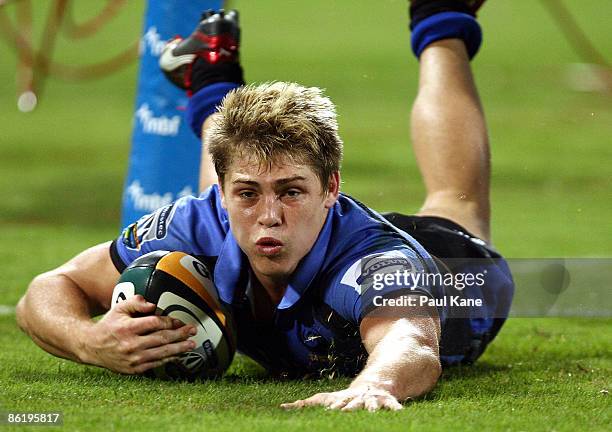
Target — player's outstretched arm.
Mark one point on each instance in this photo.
(57, 312)
(403, 363)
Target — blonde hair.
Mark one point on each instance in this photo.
(277, 120)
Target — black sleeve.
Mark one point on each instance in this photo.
(114, 255)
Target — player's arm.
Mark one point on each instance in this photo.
(57, 312)
(403, 362)
(404, 357)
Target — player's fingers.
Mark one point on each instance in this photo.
(152, 323)
(317, 399)
(143, 367)
(164, 337)
(133, 305)
(377, 402)
(339, 403)
(293, 405)
(373, 403)
(177, 323)
(392, 404)
(302, 403)
(165, 351)
(354, 404)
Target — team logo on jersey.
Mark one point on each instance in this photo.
(150, 227)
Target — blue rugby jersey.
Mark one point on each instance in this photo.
(316, 325)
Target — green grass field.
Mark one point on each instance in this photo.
(63, 168)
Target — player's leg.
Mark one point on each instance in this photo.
(450, 140)
(208, 175)
(207, 65)
(449, 136)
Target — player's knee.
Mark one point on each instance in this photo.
(470, 211)
(470, 203)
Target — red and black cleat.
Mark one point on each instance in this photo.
(208, 55)
(474, 5)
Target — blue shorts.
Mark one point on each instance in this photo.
(465, 335)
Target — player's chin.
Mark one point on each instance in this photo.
(274, 265)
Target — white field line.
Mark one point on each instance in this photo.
(7, 310)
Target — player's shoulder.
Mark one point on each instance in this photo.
(353, 215)
(194, 225)
(358, 230)
(358, 273)
(348, 289)
(186, 213)
(204, 211)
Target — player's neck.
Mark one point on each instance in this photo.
(273, 288)
(265, 299)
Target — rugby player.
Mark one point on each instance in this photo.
(295, 260)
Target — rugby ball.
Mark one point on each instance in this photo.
(181, 286)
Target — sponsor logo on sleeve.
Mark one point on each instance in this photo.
(164, 216)
(360, 273)
(150, 227)
(380, 263)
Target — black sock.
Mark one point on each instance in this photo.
(421, 9)
(204, 74)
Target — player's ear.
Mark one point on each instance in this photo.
(333, 189)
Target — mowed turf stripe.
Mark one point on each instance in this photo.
(7, 310)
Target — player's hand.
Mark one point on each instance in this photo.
(368, 397)
(127, 344)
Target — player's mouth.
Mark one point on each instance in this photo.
(268, 246)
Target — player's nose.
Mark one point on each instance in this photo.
(270, 212)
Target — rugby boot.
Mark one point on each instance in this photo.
(209, 55)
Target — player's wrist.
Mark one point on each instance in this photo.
(84, 343)
(368, 380)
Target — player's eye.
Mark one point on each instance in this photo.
(247, 195)
(293, 193)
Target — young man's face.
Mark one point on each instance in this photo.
(276, 214)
